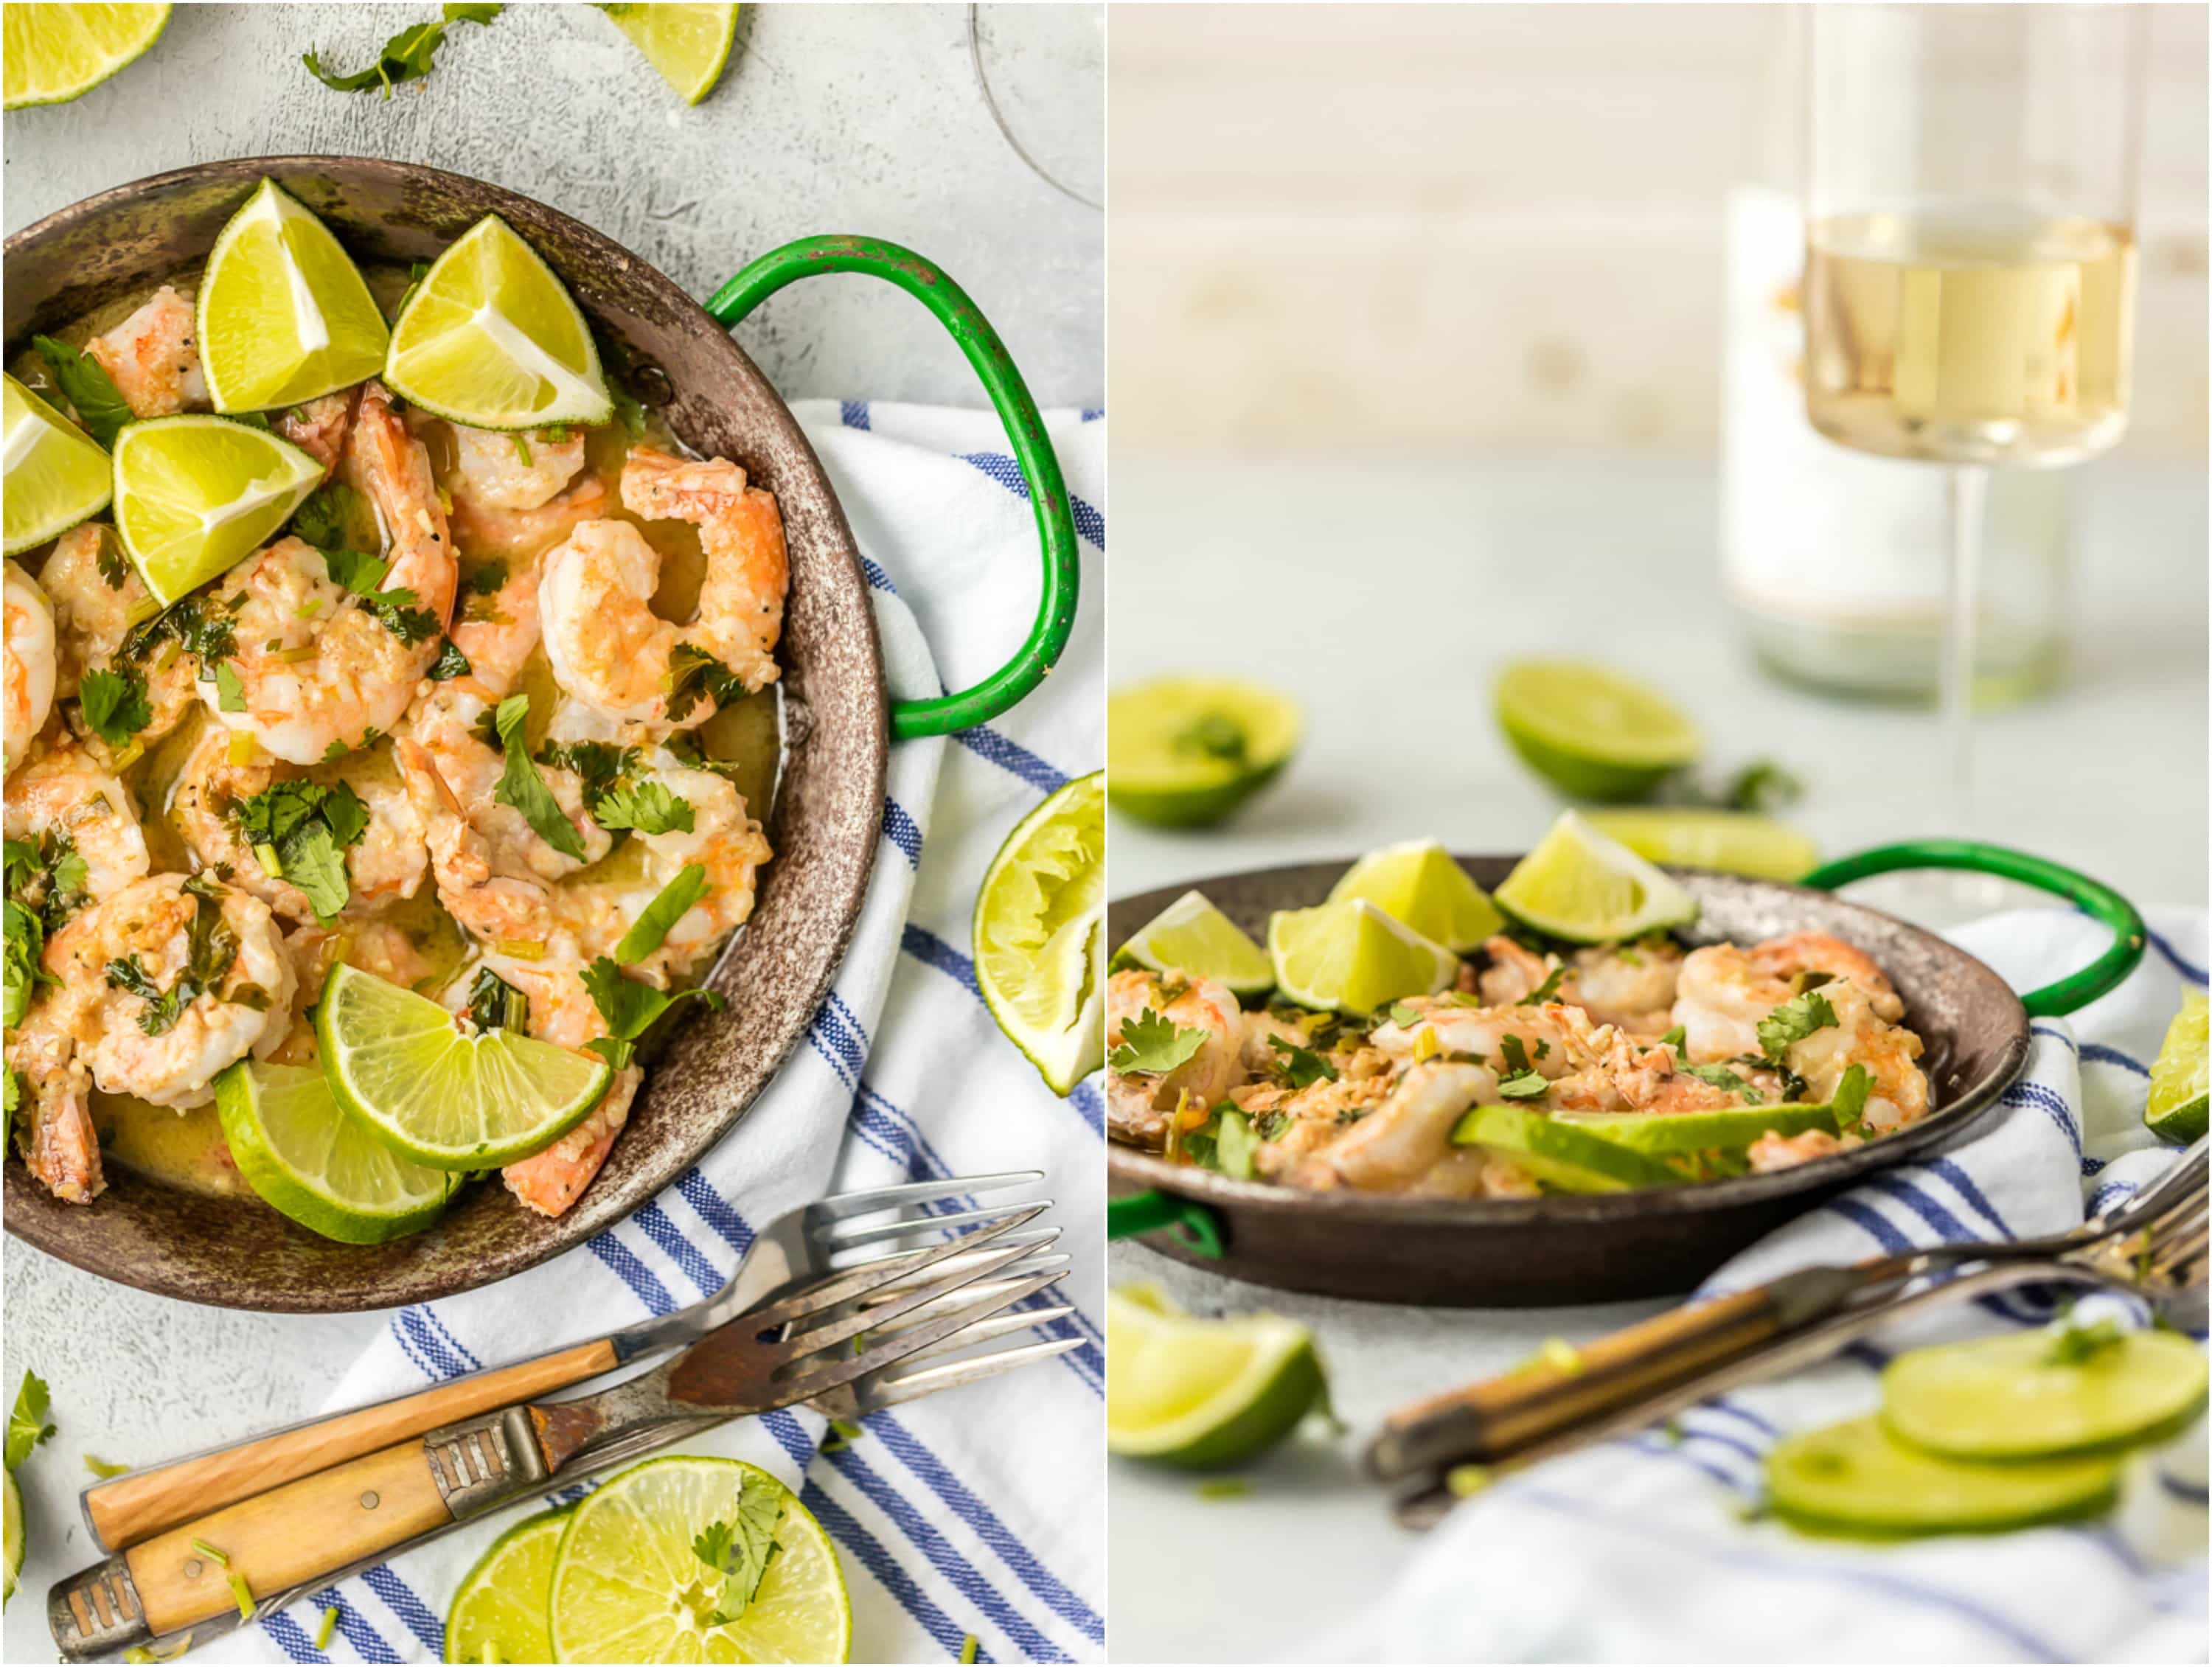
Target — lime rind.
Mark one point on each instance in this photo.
(1201, 1394)
(2013, 1397)
(1564, 1157)
(1190, 936)
(502, 1602)
(1589, 731)
(1581, 887)
(11, 1525)
(1726, 842)
(2180, 1088)
(1183, 752)
(688, 46)
(130, 31)
(57, 475)
(175, 534)
(1659, 1132)
(1352, 957)
(1857, 1478)
(1039, 934)
(1419, 884)
(310, 1160)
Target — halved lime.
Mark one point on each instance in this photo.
(56, 473)
(499, 1613)
(1592, 732)
(1856, 1478)
(492, 338)
(2177, 1107)
(1562, 1157)
(314, 1161)
(1039, 929)
(284, 314)
(1183, 752)
(1580, 886)
(628, 1586)
(2027, 1395)
(1729, 1127)
(196, 495)
(1352, 956)
(1420, 884)
(1203, 1393)
(13, 1522)
(447, 1099)
(688, 45)
(1733, 842)
(1192, 937)
(58, 52)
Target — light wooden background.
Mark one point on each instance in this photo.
(1438, 228)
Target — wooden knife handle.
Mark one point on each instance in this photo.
(1491, 1422)
(137, 1506)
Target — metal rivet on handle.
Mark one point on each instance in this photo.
(369, 1500)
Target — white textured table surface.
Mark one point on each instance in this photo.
(1384, 597)
(829, 119)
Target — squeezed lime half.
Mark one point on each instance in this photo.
(1590, 731)
(1039, 930)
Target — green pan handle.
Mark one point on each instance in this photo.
(2099, 901)
(1040, 467)
(1148, 1212)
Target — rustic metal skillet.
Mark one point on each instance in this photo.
(827, 818)
(1522, 1252)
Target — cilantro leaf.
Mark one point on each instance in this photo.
(229, 689)
(649, 808)
(1719, 1076)
(659, 916)
(450, 663)
(408, 56)
(522, 787)
(212, 952)
(115, 704)
(307, 827)
(192, 623)
(693, 671)
(1235, 1146)
(1152, 1045)
(630, 1008)
(497, 1005)
(1678, 1039)
(1763, 785)
(1514, 1052)
(1544, 991)
(91, 392)
(740, 1554)
(26, 945)
(1793, 1021)
(26, 1423)
(2076, 1343)
(1404, 1017)
(1301, 1068)
(1521, 1086)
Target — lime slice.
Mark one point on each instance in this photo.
(56, 473)
(402, 1064)
(1735, 1127)
(1856, 1478)
(1039, 930)
(1580, 886)
(284, 314)
(1352, 956)
(1183, 752)
(491, 338)
(2176, 1109)
(1203, 1393)
(2028, 1394)
(1192, 937)
(627, 1586)
(1419, 884)
(499, 1613)
(56, 54)
(1734, 841)
(1562, 1157)
(1594, 733)
(196, 495)
(688, 45)
(13, 1522)
(312, 1160)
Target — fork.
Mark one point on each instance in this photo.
(830, 1234)
(843, 1332)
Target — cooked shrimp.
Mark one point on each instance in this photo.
(153, 357)
(1861, 1035)
(723, 840)
(1723, 991)
(1556, 1039)
(59, 1144)
(511, 534)
(1629, 985)
(375, 946)
(319, 427)
(496, 471)
(1771, 1151)
(1399, 1142)
(64, 798)
(317, 668)
(30, 662)
(1139, 1104)
(98, 597)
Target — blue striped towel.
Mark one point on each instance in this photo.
(1638, 1549)
(978, 1512)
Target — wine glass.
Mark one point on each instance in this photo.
(1027, 59)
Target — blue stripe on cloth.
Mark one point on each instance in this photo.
(930, 950)
(877, 577)
(2021, 1307)
(2109, 1193)
(889, 1575)
(713, 1210)
(2098, 1053)
(1085, 1098)
(1658, 1446)
(1734, 1443)
(2187, 970)
(2051, 1104)
(292, 1638)
(652, 1221)
(900, 830)
(438, 1323)
(403, 1602)
(2058, 1036)
(1951, 1229)
(1089, 523)
(1092, 413)
(854, 413)
(1964, 1184)
(791, 1435)
(416, 1322)
(839, 1037)
(1720, 1403)
(1011, 755)
(407, 1347)
(644, 1284)
(354, 1627)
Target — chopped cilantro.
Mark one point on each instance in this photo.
(1719, 1076)
(649, 808)
(692, 673)
(1544, 991)
(1152, 1045)
(739, 1552)
(26, 1423)
(522, 787)
(450, 663)
(408, 56)
(630, 1008)
(229, 689)
(115, 704)
(1301, 1068)
(1793, 1021)
(1521, 1086)
(497, 1005)
(91, 392)
(659, 916)
(1234, 1146)
(309, 826)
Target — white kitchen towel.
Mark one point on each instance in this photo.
(979, 1512)
(1649, 1549)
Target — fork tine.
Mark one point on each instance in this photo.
(811, 1301)
(821, 1325)
(1034, 1236)
(844, 1205)
(880, 1351)
(874, 1394)
(845, 1237)
(1057, 1260)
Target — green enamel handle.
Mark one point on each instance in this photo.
(1149, 1212)
(2099, 901)
(1032, 448)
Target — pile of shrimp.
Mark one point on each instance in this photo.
(131, 982)
(1620, 1028)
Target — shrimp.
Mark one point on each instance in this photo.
(608, 648)
(1772, 1150)
(497, 471)
(1140, 1103)
(723, 841)
(153, 357)
(513, 533)
(1863, 1036)
(98, 597)
(1723, 991)
(374, 945)
(319, 428)
(65, 803)
(1405, 1145)
(1629, 985)
(317, 667)
(1556, 1039)
(30, 662)
(60, 1146)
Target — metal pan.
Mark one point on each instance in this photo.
(1522, 1252)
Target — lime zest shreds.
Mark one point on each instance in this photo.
(330, 1625)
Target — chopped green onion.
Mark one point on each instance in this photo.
(243, 1594)
(209, 1552)
(521, 949)
(330, 1625)
(102, 1469)
(305, 651)
(266, 854)
(968, 1647)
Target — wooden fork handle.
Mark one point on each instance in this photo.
(1489, 1422)
(135, 1507)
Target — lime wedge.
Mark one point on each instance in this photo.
(2176, 1109)
(491, 338)
(196, 495)
(1419, 884)
(2029, 1394)
(56, 473)
(402, 1064)
(688, 45)
(499, 1613)
(284, 314)
(311, 1159)
(628, 1586)
(1856, 1478)
(1732, 1127)
(1352, 956)
(1183, 752)
(1192, 937)
(1203, 1393)
(1580, 886)
(1733, 842)
(13, 1524)
(1564, 1157)
(55, 53)
(1590, 732)
(1039, 930)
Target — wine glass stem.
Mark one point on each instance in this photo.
(1968, 494)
